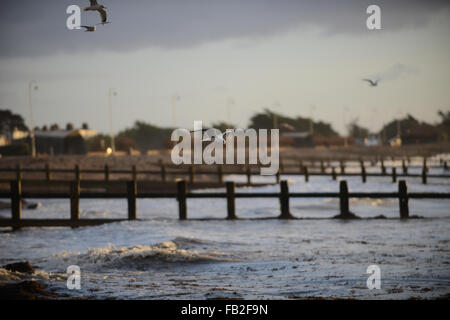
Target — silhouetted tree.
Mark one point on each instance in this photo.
(9, 121)
(356, 131)
(266, 119)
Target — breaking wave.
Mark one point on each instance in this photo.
(179, 250)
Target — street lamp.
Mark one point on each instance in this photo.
(344, 118)
(32, 86)
(112, 92)
(175, 98)
(311, 123)
(276, 105)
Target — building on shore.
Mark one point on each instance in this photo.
(71, 141)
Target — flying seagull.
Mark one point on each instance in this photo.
(220, 136)
(89, 28)
(96, 7)
(373, 83)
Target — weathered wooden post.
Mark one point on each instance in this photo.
(181, 197)
(342, 164)
(106, 173)
(300, 166)
(16, 203)
(48, 176)
(131, 197)
(77, 173)
(163, 172)
(74, 202)
(424, 175)
(220, 173)
(404, 167)
(305, 170)
(277, 175)
(191, 174)
(249, 175)
(445, 165)
(284, 200)
(333, 174)
(383, 168)
(343, 199)
(394, 175)
(231, 204)
(403, 199)
(133, 173)
(322, 167)
(18, 173)
(363, 174)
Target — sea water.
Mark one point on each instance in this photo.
(161, 257)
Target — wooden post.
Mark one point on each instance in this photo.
(131, 197)
(106, 173)
(74, 201)
(16, 203)
(363, 174)
(48, 176)
(277, 175)
(425, 163)
(343, 199)
(284, 200)
(424, 175)
(445, 165)
(249, 175)
(181, 197)
(342, 167)
(191, 174)
(403, 199)
(383, 168)
(322, 167)
(18, 173)
(305, 169)
(231, 206)
(220, 173)
(133, 173)
(394, 175)
(163, 173)
(77, 173)
(333, 173)
(404, 167)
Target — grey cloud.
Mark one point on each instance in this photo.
(30, 28)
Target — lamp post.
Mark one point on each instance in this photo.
(311, 123)
(32, 86)
(276, 105)
(112, 92)
(344, 117)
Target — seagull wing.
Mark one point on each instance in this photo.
(102, 14)
(370, 81)
(93, 3)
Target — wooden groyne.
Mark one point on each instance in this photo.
(132, 193)
(166, 173)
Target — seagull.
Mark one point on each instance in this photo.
(96, 7)
(219, 137)
(372, 82)
(89, 28)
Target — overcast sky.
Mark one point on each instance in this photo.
(296, 57)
